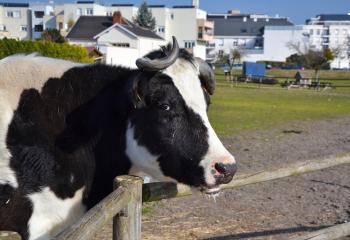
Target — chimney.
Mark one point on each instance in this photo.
(117, 17)
(195, 3)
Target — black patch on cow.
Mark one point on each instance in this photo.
(15, 210)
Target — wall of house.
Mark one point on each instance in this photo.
(14, 24)
(147, 45)
(128, 12)
(127, 56)
(120, 56)
(228, 43)
(73, 11)
(82, 43)
(117, 35)
(184, 25)
(200, 51)
(277, 41)
(46, 21)
(162, 20)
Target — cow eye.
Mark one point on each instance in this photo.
(164, 106)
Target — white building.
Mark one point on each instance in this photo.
(42, 18)
(188, 24)
(121, 41)
(242, 32)
(129, 11)
(331, 31)
(15, 21)
(72, 11)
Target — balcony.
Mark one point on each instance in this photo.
(205, 30)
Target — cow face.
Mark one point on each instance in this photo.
(169, 135)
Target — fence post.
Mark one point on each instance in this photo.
(127, 223)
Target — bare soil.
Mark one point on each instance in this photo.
(271, 210)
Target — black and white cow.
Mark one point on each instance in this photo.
(66, 130)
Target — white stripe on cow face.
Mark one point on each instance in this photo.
(186, 80)
(51, 215)
(142, 160)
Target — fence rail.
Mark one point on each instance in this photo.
(331, 233)
(124, 204)
(162, 190)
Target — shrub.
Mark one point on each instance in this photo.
(48, 49)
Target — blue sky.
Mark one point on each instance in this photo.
(297, 10)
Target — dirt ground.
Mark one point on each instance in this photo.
(271, 210)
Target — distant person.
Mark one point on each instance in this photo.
(227, 71)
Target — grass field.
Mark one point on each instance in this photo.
(245, 107)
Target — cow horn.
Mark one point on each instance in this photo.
(162, 63)
(207, 76)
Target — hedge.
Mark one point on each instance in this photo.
(48, 49)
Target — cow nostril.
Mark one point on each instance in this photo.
(226, 169)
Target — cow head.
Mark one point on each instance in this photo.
(169, 135)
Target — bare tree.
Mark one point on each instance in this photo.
(314, 59)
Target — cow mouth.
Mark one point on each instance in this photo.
(210, 190)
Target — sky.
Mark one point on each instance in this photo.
(297, 10)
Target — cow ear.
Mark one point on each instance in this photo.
(136, 95)
(206, 75)
(139, 89)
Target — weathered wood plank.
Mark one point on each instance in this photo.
(94, 220)
(127, 223)
(158, 191)
(5, 235)
(331, 233)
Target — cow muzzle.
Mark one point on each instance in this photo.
(220, 172)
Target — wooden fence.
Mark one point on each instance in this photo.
(123, 206)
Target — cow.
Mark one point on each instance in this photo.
(67, 129)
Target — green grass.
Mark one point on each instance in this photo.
(247, 107)
(146, 211)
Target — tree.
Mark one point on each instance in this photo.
(237, 55)
(70, 22)
(52, 35)
(313, 59)
(144, 17)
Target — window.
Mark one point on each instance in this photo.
(79, 11)
(318, 31)
(189, 44)
(109, 14)
(172, 16)
(38, 28)
(2, 28)
(220, 42)
(161, 29)
(89, 11)
(121, 44)
(39, 14)
(311, 31)
(235, 43)
(60, 25)
(13, 14)
(24, 28)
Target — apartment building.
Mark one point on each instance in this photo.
(331, 31)
(15, 21)
(244, 32)
(42, 17)
(188, 23)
